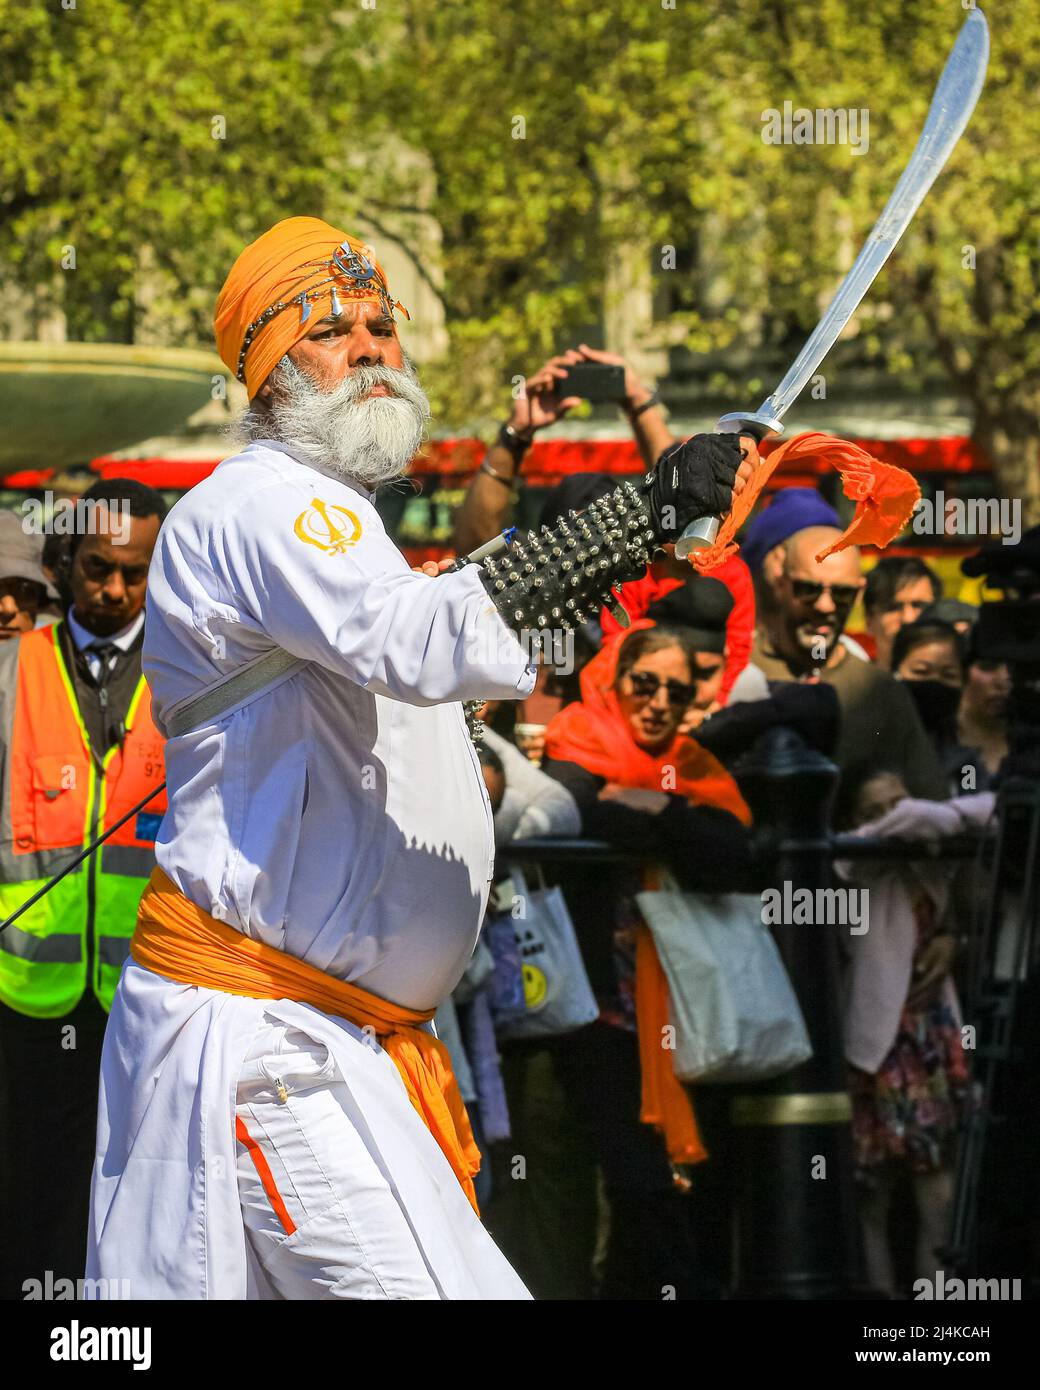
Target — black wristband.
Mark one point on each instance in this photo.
(653, 399)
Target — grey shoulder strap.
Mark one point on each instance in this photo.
(232, 692)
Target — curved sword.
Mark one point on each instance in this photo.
(952, 105)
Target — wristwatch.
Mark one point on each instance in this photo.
(513, 442)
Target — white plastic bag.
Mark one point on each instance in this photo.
(557, 992)
(735, 1014)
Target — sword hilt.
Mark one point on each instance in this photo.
(702, 534)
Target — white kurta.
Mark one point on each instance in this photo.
(341, 816)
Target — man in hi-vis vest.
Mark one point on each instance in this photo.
(78, 749)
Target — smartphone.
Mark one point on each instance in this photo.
(593, 381)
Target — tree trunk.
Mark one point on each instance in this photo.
(1009, 435)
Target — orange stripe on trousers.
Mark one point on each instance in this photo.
(263, 1169)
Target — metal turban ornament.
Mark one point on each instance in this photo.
(352, 275)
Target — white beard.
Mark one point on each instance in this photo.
(367, 441)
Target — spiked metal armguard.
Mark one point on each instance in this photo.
(558, 576)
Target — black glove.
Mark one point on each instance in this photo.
(693, 480)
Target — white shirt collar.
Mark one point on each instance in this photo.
(299, 456)
(124, 640)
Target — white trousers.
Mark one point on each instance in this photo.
(321, 1217)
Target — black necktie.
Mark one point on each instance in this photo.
(106, 652)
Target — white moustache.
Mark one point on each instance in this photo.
(346, 430)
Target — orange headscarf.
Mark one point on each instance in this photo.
(595, 735)
(299, 264)
(884, 496)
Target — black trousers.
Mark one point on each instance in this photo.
(663, 1242)
(49, 1071)
(544, 1208)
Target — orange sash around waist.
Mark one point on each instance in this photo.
(176, 939)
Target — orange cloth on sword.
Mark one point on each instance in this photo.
(595, 734)
(175, 938)
(884, 496)
(291, 257)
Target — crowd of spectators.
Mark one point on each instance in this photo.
(605, 1208)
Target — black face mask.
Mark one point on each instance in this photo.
(937, 704)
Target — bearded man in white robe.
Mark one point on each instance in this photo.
(276, 1118)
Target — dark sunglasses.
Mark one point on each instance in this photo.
(646, 685)
(808, 591)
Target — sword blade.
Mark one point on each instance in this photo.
(951, 108)
(952, 104)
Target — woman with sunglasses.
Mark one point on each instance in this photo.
(645, 786)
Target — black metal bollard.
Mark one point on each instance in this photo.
(797, 1234)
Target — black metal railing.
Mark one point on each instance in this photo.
(575, 850)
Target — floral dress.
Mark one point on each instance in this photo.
(910, 1111)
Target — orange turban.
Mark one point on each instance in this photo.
(301, 267)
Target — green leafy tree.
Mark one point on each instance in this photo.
(158, 137)
(644, 124)
(549, 143)
(961, 294)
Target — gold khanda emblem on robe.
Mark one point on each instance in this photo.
(328, 526)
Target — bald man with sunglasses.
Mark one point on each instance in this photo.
(803, 606)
